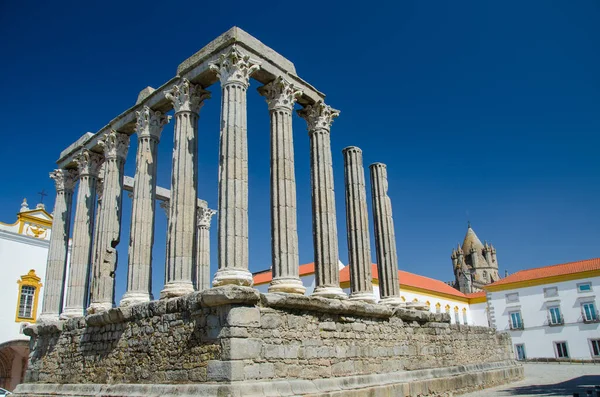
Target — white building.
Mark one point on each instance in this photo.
(463, 308)
(551, 312)
(23, 252)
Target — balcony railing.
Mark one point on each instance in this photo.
(595, 318)
(556, 322)
(518, 326)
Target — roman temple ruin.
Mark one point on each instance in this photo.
(217, 335)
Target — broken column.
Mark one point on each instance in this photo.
(327, 278)
(357, 227)
(234, 70)
(281, 96)
(59, 242)
(187, 100)
(203, 255)
(149, 127)
(88, 166)
(115, 146)
(385, 238)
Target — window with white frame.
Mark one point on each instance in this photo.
(584, 287)
(595, 347)
(516, 322)
(456, 318)
(465, 316)
(511, 298)
(554, 316)
(560, 348)
(26, 301)
(588, 312)
(550, 292)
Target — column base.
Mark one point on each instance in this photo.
(98, 307)
(71, 313)
(133, 298)
(233, 276)
(176, 288)
(288, 285)
(330, 292)
(393, 301)
(362, 297)
(48, 317)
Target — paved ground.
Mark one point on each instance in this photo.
(548, 380)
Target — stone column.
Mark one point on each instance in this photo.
(59, 244)
(281, 96)
(327, 277)
(149, 127)
(203, 254)
(95, 238)
(187, 100)
(88, 165)
(102, 296)
(385, 238)
(357, 225)
(234, 70)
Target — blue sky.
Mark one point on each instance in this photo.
(485, 108)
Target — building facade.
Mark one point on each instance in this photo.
(551, 312)
(23, 252)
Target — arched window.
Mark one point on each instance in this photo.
(27, 302)
(447, 309)
(403, 299)
(456, 318)
(465, 315)
(415, 300)
(438, 308)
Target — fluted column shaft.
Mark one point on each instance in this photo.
(149, 127)
(385, 238)
(88, 164)
(357, 227)
(327, 279)
(234, 70)
(203, 254)
(102, 296)
(281, 96)
(59, 244)
(187, 100)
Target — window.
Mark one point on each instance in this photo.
(465, 316)
(550, 292)
(588, 312)
(520, 350)
(438, 308)
(515, 320)
(595, 345)
(485, 276)
(456, 317)
(447, 309)
(554, 316)
(584, 287)
(514, 297)
(561, 350)
(29, 289)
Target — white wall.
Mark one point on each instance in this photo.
(18, 255)
(537, 336)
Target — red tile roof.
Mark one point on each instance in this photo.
(550, 271)
(479, 294)
(406, 279)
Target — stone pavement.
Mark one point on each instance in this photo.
(548, 380)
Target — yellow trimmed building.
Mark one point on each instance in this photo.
(23, 252)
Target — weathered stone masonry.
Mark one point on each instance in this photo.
(233, 333)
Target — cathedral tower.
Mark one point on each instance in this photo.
(475, 264)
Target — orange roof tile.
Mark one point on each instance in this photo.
(478, 294)
(266, 276)
(550, 271)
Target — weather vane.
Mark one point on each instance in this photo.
(42, 194)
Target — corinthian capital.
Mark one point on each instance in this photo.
(115, 145)
(150, 123)
(64, 180)
(88, 163)
(187, 97)
(204, 216)
(280, 94)
(234, 67)
(318, 116)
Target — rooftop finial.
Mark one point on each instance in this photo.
(468, 224)
(24, 206)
